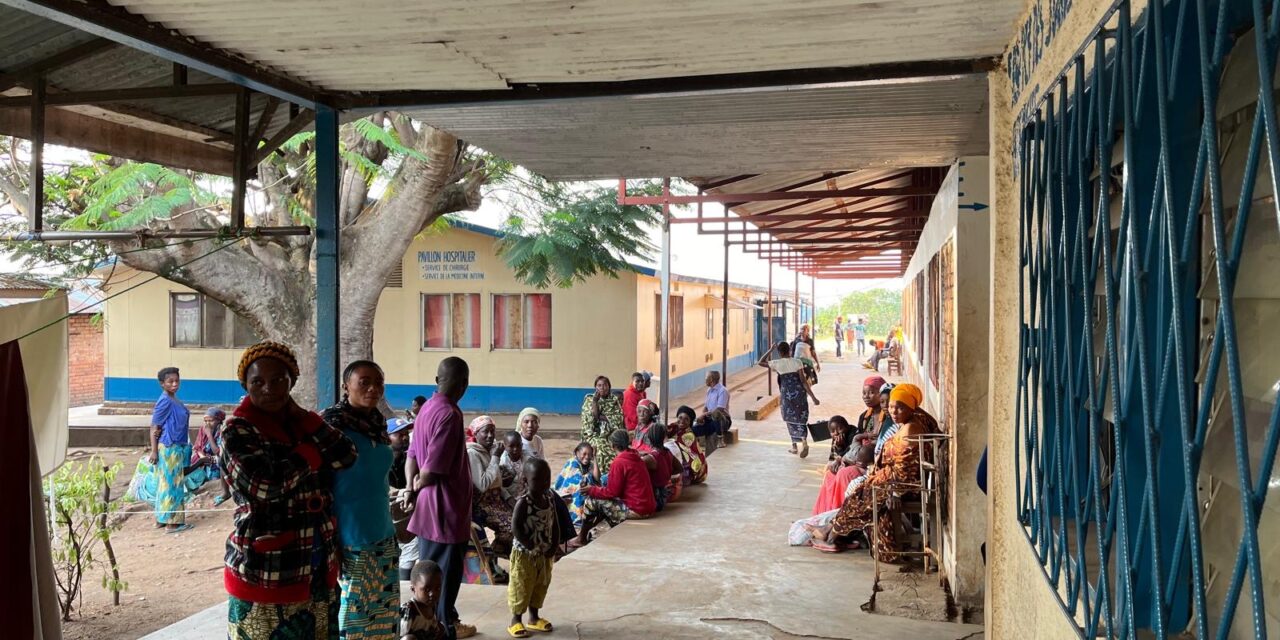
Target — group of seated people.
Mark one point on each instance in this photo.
(620, 470)
(881, 450)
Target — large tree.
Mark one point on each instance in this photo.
(419, 174)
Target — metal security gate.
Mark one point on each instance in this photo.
(1147, 422)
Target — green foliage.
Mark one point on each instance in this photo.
(882, 309)
(565, 233)
(82, 525)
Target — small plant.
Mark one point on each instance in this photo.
(82, 521)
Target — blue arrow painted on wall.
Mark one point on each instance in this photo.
(977, 206)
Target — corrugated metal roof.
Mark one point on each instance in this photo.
(25, 39)
(880, 124)
(464, 44)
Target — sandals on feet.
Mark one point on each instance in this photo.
(541, 624)
(804, 449)
(827, 547)
(185, 527)
(517, 630)
(220, 499)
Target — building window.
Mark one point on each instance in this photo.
(522, 321)
(450, 321)
(711, 324)
(196, 320)
(675, 321)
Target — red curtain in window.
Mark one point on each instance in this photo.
(537, 326)
(506, 321)
(466, 321)
(435, 322)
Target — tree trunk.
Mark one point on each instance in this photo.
(271, 282)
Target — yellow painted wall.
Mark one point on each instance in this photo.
(698, 351)
(592, 326)
(136, 332)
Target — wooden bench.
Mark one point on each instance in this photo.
(762, 407)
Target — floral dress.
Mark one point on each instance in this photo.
(898, 462)
(596, 428)
(689, 453)
(574, 476)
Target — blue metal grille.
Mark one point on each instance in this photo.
(1126, 237)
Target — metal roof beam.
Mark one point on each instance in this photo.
(126, 95)
(803, 217)
(682, 85)
(790, 231)
(56, 61)
(767, 196)
(826, 241)
(118, 25)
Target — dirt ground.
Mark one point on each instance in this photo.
(170, 576)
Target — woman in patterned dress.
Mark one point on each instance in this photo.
(369, 581)
(282, 559)
(601, 416)
(795, 390)
(898, 462)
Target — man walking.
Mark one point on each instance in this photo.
(839, 336)
(440, 470)
(860, 334)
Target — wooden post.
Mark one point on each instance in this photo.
(35, 214)
(242, 154)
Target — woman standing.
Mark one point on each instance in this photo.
(898, 462)
(794, 388)
(282, 560)
(601, 416)
(369, 581)
(170, 452)
(488, 508)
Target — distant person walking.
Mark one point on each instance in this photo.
(440, 476)
(860, 335)
(839, 331)
(170, 452)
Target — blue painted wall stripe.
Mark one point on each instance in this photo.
(497, 399)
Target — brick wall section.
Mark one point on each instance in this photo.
(85, 360)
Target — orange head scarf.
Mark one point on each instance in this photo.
(907, 394)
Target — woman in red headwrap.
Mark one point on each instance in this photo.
(899, 462)
(846, 443)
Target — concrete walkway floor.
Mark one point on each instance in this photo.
(714, 564)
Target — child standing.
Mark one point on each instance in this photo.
(511, 465)
(418, 616)
(533, 553)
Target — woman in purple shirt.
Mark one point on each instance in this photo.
(170, 452)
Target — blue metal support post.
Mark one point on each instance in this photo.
(327, 289)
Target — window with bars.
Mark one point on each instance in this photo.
(1146, 420)
(198, 321)
(711, 324)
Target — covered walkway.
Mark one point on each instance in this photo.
(716, 564)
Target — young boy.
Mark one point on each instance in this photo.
(511, 465)
(533, 554)
(418, 616)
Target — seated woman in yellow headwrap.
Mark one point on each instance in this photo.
(899, 461)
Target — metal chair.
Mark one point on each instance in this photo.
(922, 499)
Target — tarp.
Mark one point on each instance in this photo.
(33, 423)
